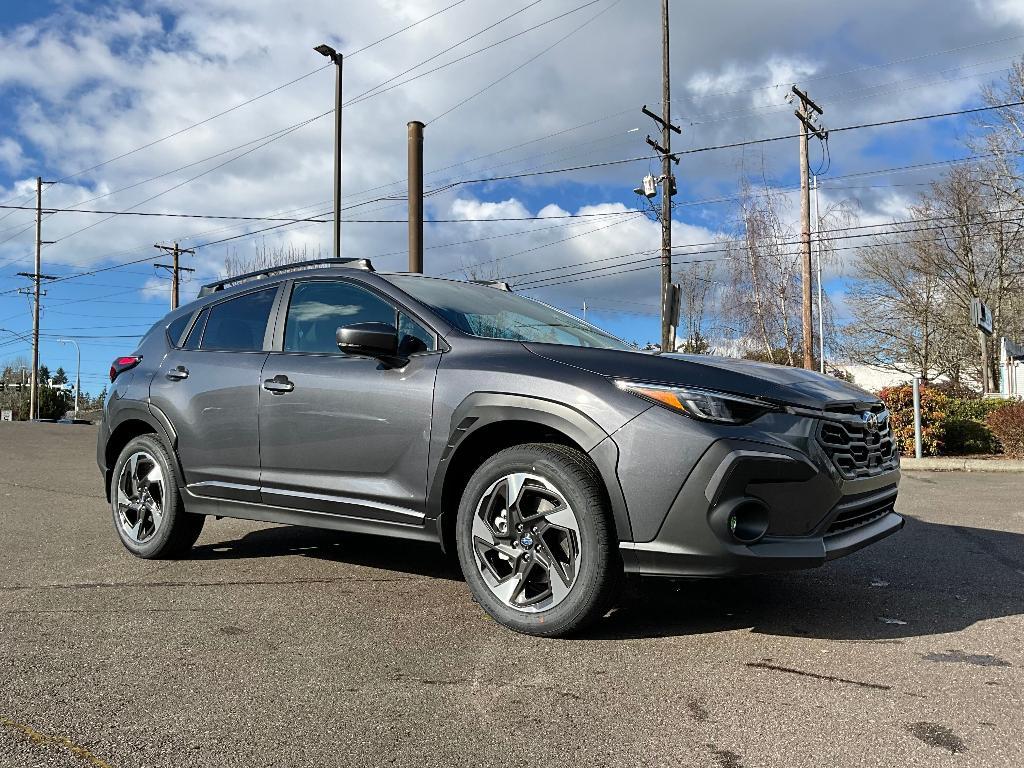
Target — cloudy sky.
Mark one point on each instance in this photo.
(135, 106)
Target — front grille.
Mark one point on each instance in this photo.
(859, 448)
(861, 511)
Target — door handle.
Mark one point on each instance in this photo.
(177, 374)
(278, 385)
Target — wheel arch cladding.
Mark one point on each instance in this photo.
(132, 423)
(487, 423)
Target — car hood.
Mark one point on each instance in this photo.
(777, 383)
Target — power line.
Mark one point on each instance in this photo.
(558, 279)
(525, 63)
(403, 29)
(248, 101)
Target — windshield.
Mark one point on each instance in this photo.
(495, 314)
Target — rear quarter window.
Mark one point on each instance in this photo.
(177, 328)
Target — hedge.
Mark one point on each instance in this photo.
(954, 426)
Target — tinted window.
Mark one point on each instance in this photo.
(239, 324)
(319, 308)
(176, 328)
(196, 334)
(413, 337)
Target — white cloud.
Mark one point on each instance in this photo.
(85, 88)
(11, 156)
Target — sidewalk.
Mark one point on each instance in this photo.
(961, 464)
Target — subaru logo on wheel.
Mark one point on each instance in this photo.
(526, 541)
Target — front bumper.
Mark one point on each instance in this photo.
(813, 514)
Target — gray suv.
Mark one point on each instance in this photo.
(551, 456)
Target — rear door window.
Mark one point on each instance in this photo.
(239, 324)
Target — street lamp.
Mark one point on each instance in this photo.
(78, 370)
(325, 50)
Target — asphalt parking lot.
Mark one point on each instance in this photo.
(292, 647)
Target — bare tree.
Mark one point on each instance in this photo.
(265, 257)
(764, 277)
(696, 294)
(900, 314)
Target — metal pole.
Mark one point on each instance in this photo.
(821, 302)
(666, 183)
(78, 371)
(339, 61)
(34, 394)
(174, 279)
(805, 240)
(918, 452)
(415, 196)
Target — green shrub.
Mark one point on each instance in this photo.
(1007, 424)
(965, 429)
(900, 402)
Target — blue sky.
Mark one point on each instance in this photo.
(83, 82)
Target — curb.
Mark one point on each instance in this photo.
(955, 464)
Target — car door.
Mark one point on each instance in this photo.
(209, 390)
(344, 434)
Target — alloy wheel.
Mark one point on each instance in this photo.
(526, 540)
(140, 497)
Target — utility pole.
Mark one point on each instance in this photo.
(821, 300)
(416, 196)
(805, 114)
(36, 276)
(175, 269)
(668, 182)
(338, 60)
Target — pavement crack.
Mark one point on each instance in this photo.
(46, 740)
(59, 491)
(960, 657)
(171, 584)
(989, 549)
(816, 676)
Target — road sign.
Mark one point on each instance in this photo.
(981, 316)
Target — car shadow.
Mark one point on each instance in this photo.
(415, 558)
(928, 579)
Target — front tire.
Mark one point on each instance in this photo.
(536, 540)
(145, 498)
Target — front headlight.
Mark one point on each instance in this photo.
(699, 403)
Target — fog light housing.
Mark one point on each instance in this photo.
(747, 520)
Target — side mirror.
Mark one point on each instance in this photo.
(379, 340)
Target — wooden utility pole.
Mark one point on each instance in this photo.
(805, 113)
(668, 182)
(175, 269)
(416, 196)
(37, 276)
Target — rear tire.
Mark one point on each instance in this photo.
(536, 540)
(145, 499)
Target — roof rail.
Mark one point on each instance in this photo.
(501, 285)
(220, 285)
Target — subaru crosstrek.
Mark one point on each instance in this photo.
(551, 456)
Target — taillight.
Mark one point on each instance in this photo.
(122, 364)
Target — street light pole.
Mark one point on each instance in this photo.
(338, 59)
(78, 371)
